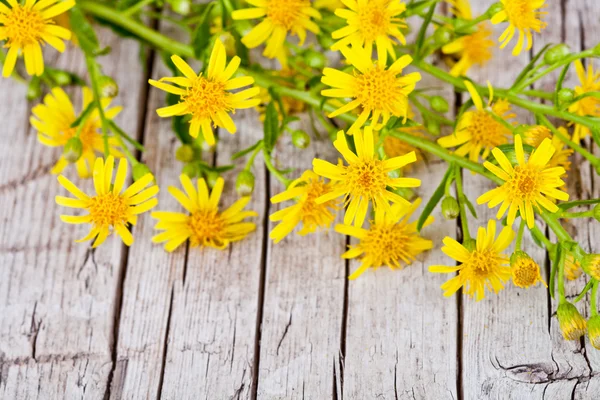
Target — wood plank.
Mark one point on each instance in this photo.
(58, 298)
(304, 296)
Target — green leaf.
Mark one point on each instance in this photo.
(84, 115)
(201, 35)
(271, 127)
(434, 200)
(83, 30)
(469, 206)
(117, 129)
(553, 270)
(247, 150)
(423, 31)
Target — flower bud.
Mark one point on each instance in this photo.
(443, 36)
(450, 209)
(140, 170)
(565, 95)
(314, 59)
(108, 87)
(591, 265)
(61, 78)
(181, 7)
(244, 184)
(525, 272)
(34, 89)
(597, 212)
(191, 170)
(556, 53)
(572, 324)
(461, 24)
(594, 331)
(439, 104)
(596, 50)
(300, 139)
(185, 153)
(211, 178)
(494, 9)
(73, 150)
(325, 41)
(433, 127)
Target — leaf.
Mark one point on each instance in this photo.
(201, 35)
(434, 200)
(469, 206)
(84, 115)
(423, 31)
(88, 41)
(247, 150)
(271, 127)
(117, 129)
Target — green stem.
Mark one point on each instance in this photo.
(561, 275)
(539, 93)
(576, 203)
(130, 157)
(461, 204)
(274, 171)
(586, 289)
(137, 7)
(519, 239)
(92, 67)
(594, 298)
(580, 214)
(535, 231)
(253, 156)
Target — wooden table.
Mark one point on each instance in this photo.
(261, 320)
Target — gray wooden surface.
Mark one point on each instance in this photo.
(262, 320)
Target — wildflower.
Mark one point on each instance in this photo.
(208, 99)
(590, 106)
(279, 18)
(204, 225)
(526, 185)
(366, 177)
(111, 209)
(591, 265)
(305, 191)
(522, 16)
(537, 133)
(482, 265)
(371, 22)
(26, 27)
(394, 147)
(593, 326)
(478, 130)
(380, 92)
(390, 239)
(572, 268)
(53, 120)
(572, 324)
(525, 271)
(330, 5)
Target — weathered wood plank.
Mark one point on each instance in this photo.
(304, 296)
(57, 307)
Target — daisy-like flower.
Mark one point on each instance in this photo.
(537, 133)
(26, 27)
(527, 185)
(330, 5)
(478, 130)
(390, 240)
(53, 120)
(279, 18)
(208, 98)
(523, 16)
(203, 224)
(590, 82)
(366, 177)
(371, 22)
(482, 266)
(525, 271)
(111, 209)
(380, 92)
(305, 190)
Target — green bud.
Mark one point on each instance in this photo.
(438, 104)
(185, 153)
(325, 41)
(211, 178)
(572, 324)
(108, 87)
(450, 209)
(443, 36)
(596, 50)
(461, 25)
(140, 170)
(314, 59)
(433, 127)
(556, 53)
(565, 95)
(244, 184)
(597, 212)
(494, 9)
(191, 170)
(61, 78)
(521, 130)
(73, 150)
(181, 7)
(34, 89)
(594, 331)
(591, 265)
(300, 139)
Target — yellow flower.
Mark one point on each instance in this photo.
(527, 184)
(525, 271)
(330, 5)
(380, 92)
(204, 225)
(572, 324)
(477, 130)
(481, 265)
(522, 16)
(110, 209)
(590, 82)
(291, 106)
(279, 18)
(473, 49)
(208, 99)
(305, 190)
(390, 239)
(366, 177)
(573, 268)
(394, 147)
(371, 22)
(591, 265)
(53, 121)
(26, 27)
(537, 133)
(461, 8)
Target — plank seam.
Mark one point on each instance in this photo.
(166, 342)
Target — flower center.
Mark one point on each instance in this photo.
(286, 12)
(524, 184)
(534, 136)
(386, 243)
(482, 262)
(486, 131)
(478, 45)
(378, 89)
(522, 15)
(23, 26)
(207, 226)
(205, 98)
(373, 19)
(525, 272)
(366, 178)
(317, 214)
(108, 209)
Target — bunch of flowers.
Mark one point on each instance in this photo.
(366, 100)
